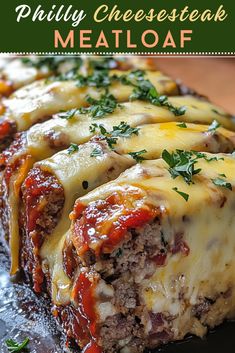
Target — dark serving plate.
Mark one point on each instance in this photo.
(23, 315)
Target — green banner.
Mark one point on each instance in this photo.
(108, 26)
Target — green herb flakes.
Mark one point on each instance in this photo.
(73, 148)
(96, 152)
(68, 114)
(99, 108)
(223, 183)
(145, 90)
(181, 193)
(137, 156)
(14, 346)
(121, 130)
(181, 163)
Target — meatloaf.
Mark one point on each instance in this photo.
(116, 199)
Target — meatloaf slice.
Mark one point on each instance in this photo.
(153, 265)
(50, 190)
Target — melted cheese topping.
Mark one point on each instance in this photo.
(154, 178)
(207, 111)
(41, 99)
(72, 169)
(76, 130)
(154, 138)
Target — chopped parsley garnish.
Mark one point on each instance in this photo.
(163, 101)
(96, 152)
(98, 76)
(182, 125)
(96, 79)
(103, 133)
(94, 127)
(213, 126)
(99, 108)
(221, 182)
(73, 148)
(68, 114)
(107, 136)
(133, 78)
(122, 130)
(208, 159)
(181, 193)
(14, 346)
(145, 90)
(181, 163)
(138, 155)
